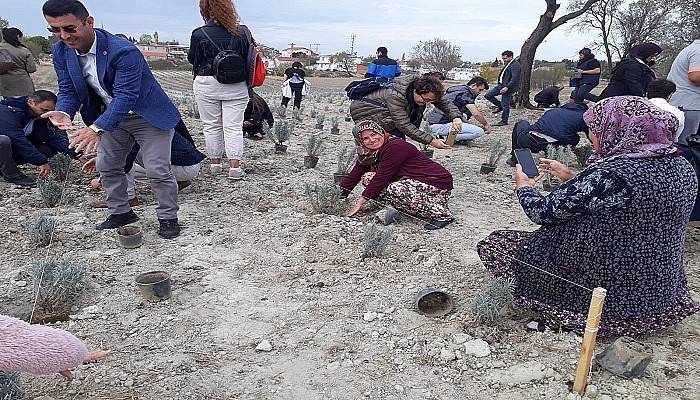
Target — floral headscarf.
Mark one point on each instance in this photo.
(366, 156)
(631, 127)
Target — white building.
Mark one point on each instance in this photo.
(462, 74)
(288, 52)
(324, 63)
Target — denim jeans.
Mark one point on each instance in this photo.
(583, 92)
(469, 131)
(504, 103)
(523, 139)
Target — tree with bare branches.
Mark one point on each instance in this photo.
(546, 25)
(600, 17)
(643, 21)
(438, 54)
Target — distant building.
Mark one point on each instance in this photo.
(463, 74)
(327, 63)
(162, 51)
(289, 52)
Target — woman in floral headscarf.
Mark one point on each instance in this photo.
(619, 224)
(396, 173)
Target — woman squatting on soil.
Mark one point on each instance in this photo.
(619, 224)
(221, 105)
(41, 350)
(399, 107)
(394, 172)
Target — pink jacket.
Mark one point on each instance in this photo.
(37, 349)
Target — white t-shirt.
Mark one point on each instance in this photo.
(687, 93)
(664, 105)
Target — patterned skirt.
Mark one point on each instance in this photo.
(415, 198)
(497, 252)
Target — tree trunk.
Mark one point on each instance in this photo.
(544, 27)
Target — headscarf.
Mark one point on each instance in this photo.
(366, 156)
(11, 36)
(630, 127)
(644, 50)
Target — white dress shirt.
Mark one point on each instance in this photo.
(664, 105)
(88, 62)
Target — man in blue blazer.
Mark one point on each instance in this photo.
(508, 85)
(108, 80)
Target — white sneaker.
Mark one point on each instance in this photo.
(236, 174)
(216, 169)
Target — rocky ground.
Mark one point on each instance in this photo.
(254, 268)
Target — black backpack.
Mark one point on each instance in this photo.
(357, 90)
(228, 66)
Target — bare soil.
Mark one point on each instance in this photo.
(254, 264)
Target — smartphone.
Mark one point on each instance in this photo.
(527, 162)
(451, 138)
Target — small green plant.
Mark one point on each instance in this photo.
(335, 123)
(10, 388)
(296, 114)
(488, 304)
(313, 113)
(563, 154)
(40, 228)
(58, 282)
(319, 120)
(496, 151)
(313, 145)
(281, 111)
(60, 164)
(324, 198)
(376, 240)
(50, 191)
(280, 132)
(346, 159)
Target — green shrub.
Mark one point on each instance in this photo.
(324, 198)
(40, 228)
(376, 240)
(50, 191)
(490, 301)
(10, 388)
(58, 282)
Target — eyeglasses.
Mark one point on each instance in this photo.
(66, 29)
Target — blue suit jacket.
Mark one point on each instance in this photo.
(124, 74)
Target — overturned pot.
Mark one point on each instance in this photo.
(280, 149)
(130, 236)
(428, 153)
(335, 131)
(154, 285)
(310, 161)
(487, 169)
(433, 302)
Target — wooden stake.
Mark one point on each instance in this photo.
(595, 312)
(451, 136)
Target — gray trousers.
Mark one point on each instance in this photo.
(692, 125)
(155, 150)
(8, 167)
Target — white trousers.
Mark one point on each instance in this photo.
(221, 109)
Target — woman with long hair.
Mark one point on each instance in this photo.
(221, 105)
(16, 63)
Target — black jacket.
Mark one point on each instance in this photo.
(629, 78)
(511, 77)
(548, 96)
(203, 51)
(257, 117)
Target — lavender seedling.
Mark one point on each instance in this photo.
(376, 240)
(58, 282)
(40, 228)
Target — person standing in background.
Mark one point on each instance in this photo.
(15, 79)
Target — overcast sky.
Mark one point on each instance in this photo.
(481, 28)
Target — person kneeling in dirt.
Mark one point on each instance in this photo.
(619, 224)
(256, 114)
(27, 139)
(558, 126)
(185, 162)
(399, 106)
(548, 97)
(463, 97)
(40, 350)
(394, 172)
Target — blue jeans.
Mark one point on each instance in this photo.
(469, 131)
(504, 103)
(583, 92)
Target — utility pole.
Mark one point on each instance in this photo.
(352, 45)
(315, 47)
(291, 45)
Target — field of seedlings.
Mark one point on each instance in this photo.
(276, 295)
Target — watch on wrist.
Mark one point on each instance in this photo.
(96, 129)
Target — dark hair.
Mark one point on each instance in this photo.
(59, 8)
(382, 50)
(436, 74)
(11, 36)
(661, 88)
(297, 64)
(429, 84)
(645, 50)
(258, 102)
(587, 53)
(507, 53)
(43, 95)
(477, 80)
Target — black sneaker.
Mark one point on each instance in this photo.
(169, 228)
(501, 123)
(115, 221)
(496, 110)
(511, 161)
(21, 180)
(435, 224)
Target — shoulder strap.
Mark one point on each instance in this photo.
(210, 39)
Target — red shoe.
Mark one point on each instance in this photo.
(103, 203)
